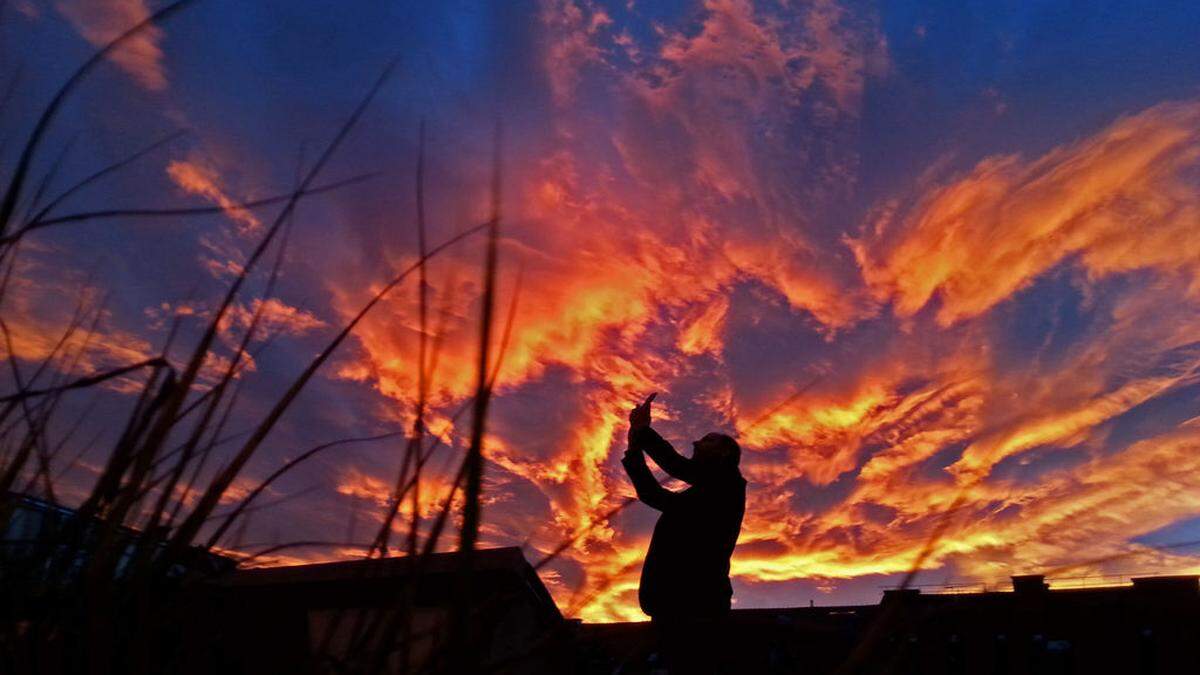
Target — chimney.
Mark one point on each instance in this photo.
(1029, 583)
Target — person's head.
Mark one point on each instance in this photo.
(717, 451)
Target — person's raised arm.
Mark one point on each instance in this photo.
(648, 490)
(642, 437)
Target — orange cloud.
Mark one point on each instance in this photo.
(1080, 514)
(38, 320)
(1088, 509)
(701, 333)
(276, 317)
(197, 178)
(361, 485)
(1063, 427)
(571, 43)
(102, 21)
(1119, 201)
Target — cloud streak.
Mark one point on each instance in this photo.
(1122, 200)
(101, 21)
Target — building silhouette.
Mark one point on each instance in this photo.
(403, 615)
(342, 615)
(1146, 627)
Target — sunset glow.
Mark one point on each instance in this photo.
(928, 272)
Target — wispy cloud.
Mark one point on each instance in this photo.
(1122, 200)
(101, 21)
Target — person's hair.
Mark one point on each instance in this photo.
(731, 452)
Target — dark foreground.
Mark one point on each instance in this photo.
(1149, 627)
(491, 613)
(289, 616)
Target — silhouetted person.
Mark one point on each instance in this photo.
(685, 578)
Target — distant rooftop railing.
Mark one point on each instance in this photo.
(1111, 580)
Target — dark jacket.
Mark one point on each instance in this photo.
(686, 571)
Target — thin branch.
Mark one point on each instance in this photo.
(88, 381)
(41, 215)
(109, 214)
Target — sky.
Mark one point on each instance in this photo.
(935, 265)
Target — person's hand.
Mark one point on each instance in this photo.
(640, 416)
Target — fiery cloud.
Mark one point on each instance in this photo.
(1122, 200)
(197, 178)
(76, 338)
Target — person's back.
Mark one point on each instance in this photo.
(685, 585)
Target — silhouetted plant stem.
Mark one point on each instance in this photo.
(111, 214)
(463, 657)
(188, 529)
(84, 382)
(44, 212)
